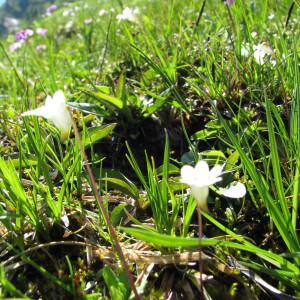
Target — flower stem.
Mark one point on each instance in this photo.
(200, 235)
(105, 212)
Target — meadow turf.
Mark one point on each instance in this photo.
(151, 89)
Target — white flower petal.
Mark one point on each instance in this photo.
(187, 175)
(259, 57)
(202, 169)
(39, 112)
(62, 120)
(260, 51)
(216, 171)
(56, 111)
(235, 190)
(49, 101)
(59, 97)
(213, 180)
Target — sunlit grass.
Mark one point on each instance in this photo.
(179, 82)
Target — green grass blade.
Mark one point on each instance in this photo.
(163, 240)
(276, 164)
(284, 227)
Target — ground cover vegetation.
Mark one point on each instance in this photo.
(177, 176)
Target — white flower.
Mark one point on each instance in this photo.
(128, 14)
(260, 51)
(253, 34)
(29, 32)
(201, 178)
(245, 50)
(146, 101)
(41, 47)
(56, 111)
(102, 12)
(68, 12)
(41, 31)
(17, 45)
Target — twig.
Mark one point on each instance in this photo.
(105, 212)
(200, 234)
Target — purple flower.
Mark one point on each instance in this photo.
(42, 31)
(17, 45)
(41, 47)
(20, 36)
(88, 21)
(51, 9)
(229, 2)
(23, 35)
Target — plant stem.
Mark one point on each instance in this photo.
(105, 212)
(200, 234)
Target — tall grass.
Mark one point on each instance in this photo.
(182, 66)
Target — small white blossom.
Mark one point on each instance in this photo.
(260, 52)
(88, 21)
(253, 34)
(41, 31)
(245, 50)
(201, 178)
(146, 101)
(56, 111)
(128, 14)
(41, 47)
(102, 12)
(68, 12)
(17, 45)
(69, 25)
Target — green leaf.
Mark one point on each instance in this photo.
(156, 106)
(213, 153)
(120, 90)
(106, 99)
(283, 225)
(232, 159)
(97, 133)
(15, 191)
(117, 214)
(103, 89)
(276, 163)
(163, 240)
(8, 286)
(125, 186)
(117, 287)
(89, 108)
(204, 134)
(171, 168)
